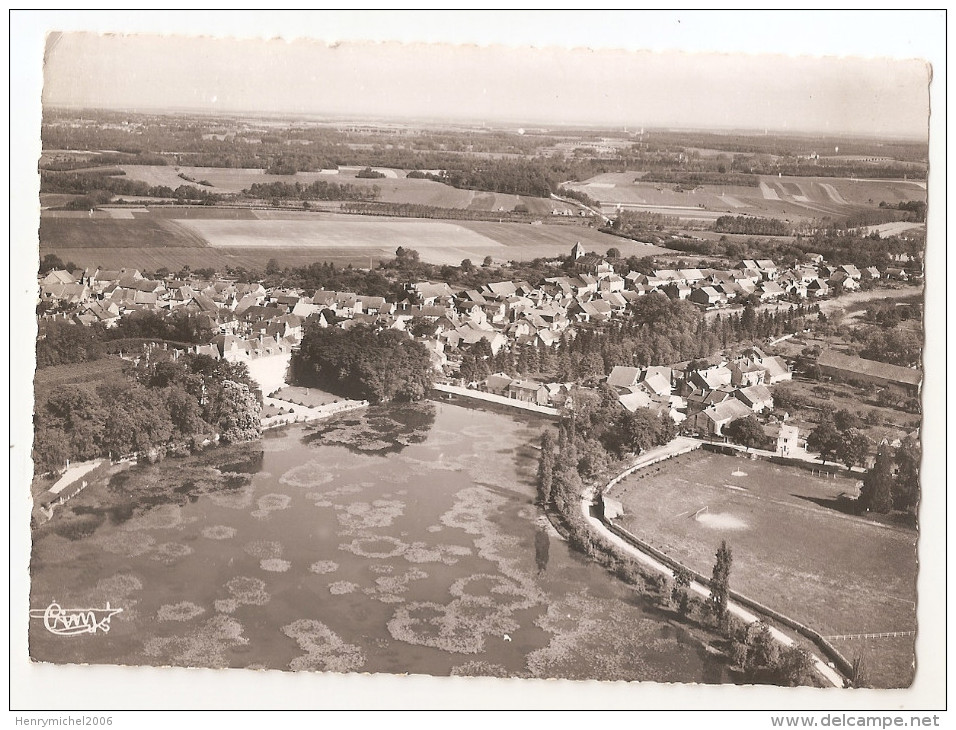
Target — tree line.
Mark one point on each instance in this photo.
(893, 481)
(100, 187)
(690, 180)
(317, 190)
(837, 244)
(915, 209)
(752, 225)
(62, 341)
(417, 210)
(655, 331)
(153, 406)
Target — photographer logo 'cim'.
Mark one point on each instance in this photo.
(75, 621)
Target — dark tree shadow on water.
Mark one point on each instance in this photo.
(542, 549)
(383, 430)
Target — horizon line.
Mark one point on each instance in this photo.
(497, 123)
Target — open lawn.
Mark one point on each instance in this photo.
(792, 550)
(309, 397)
(93, 372)
(789, 198)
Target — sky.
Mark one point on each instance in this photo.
(501, 83)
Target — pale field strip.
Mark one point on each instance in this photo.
(886, 230)
(75, 472)
(768, 192)
(337, 234)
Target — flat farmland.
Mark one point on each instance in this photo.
(223, 179)
(336, 233)
(545, 240)
(395, 187)
(791, 198)
(838, 573)
(894, 229)
(203, 236)
(80, 231)
(254, 258)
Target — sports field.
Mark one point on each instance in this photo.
(792, 549)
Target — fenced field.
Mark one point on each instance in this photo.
(794, 548)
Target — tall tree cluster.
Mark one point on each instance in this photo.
(152, 406)
(658, 330)
(364, 363)
(893, 482)
(62, 341)
(838, 437)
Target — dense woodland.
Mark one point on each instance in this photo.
(99, 187)
(62, 341)
(752, 225)
(362, 363)
(837, 245)
(318, 190)
(152, 407)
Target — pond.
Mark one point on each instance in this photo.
(396, 539)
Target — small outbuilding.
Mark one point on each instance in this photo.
(609, 508)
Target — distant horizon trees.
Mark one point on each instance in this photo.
(752, 225)
(316, 190)
(100, 186)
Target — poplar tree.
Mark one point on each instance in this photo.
(720, 581)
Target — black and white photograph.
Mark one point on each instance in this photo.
(478, 365)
